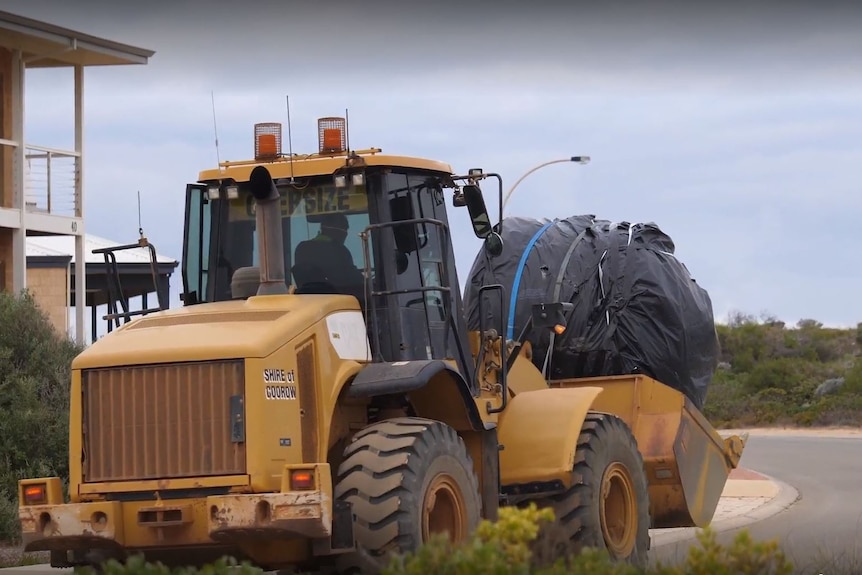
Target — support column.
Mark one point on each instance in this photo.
(68, 297)
(94, 323)
(80, 256)
(19, 235)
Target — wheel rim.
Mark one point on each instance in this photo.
(443, 509)
(618, 511)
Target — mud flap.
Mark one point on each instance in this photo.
(341, 540)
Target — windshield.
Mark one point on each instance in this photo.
(322, 248)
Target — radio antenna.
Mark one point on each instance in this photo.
(289, 137)
(347, 130)
(215, 129)
(140, 225)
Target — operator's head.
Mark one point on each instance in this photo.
(335, 226)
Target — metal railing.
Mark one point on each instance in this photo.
(49, 175)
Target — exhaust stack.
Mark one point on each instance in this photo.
(270, 236)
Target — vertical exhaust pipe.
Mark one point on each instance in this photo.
(270, 235)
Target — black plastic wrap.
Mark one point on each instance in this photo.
(636, 307)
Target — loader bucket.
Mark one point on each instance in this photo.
(687, 462)
(704, 461)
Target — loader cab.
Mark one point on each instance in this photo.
(403, 272)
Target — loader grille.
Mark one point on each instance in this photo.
(162, 421)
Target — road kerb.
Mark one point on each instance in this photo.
(743, 502)
(786, 496)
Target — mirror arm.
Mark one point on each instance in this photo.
(500, 201)
(474, 179)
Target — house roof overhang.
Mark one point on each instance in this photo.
(46, 45)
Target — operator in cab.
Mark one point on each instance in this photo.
(323, 264)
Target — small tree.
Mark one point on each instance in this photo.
(807, 323)
(35, 365)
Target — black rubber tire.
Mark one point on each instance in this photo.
(385, 474)
(604, 440)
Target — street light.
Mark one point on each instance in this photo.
(577, 159)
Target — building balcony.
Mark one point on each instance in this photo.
(49, 180)
(41, 189)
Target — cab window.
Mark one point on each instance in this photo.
(321, 227)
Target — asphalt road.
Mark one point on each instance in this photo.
(822, 532)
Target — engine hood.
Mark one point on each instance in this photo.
(252, 328)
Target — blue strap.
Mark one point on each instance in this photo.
(510, 329)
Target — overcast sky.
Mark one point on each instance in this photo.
(737, 129)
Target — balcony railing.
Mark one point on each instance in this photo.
(50, 180)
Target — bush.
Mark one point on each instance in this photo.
(34, 398)
(775, 372)
(137, 566)
(853, 380)
(783, 373)
(506, 548)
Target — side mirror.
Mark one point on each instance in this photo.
(494, 244)
(550, 316)
(478, 212)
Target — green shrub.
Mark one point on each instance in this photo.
(137, 566)
(503, 547)
(506, 548)
(776, 370)
(782, 373)
(34, 399)
(853, 379)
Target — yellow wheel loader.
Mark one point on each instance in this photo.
(318, 402)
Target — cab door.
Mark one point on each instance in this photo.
(196, 244)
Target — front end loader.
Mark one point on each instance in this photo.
(318, 401)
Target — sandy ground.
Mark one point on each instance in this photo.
(836, 432)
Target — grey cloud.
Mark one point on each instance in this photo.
(741, 139)
(665, 45)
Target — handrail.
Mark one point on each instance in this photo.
(50, 180)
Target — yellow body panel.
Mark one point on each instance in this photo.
(253, 328)
(539, 430)
(313, 165)
(524, 376)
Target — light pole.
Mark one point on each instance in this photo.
(577, 159)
